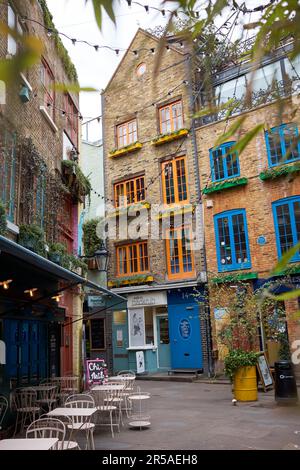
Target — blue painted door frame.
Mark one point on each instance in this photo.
(185, 333)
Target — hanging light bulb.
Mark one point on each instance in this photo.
(117, 51)
(73, 41)
(185, 82)
(152, 50)
(168, 48)
(135, 53)
(56, 297)
(129, 3)
(49, 33)
(30, 291)
(96, 47)
(5, 284)
(146, 8)
(175, 14)
(63, 113)
(163, 12)
(48, 105)
(181, 44)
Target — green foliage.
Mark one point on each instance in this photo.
(107, 5)
(277, 172)
(80, 185)
(231, 183)
(91, 240)
(2, 218)
(285, 259)
(62, 51)
(32, 237)
(238, 358)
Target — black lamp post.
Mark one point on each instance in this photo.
(101, 255)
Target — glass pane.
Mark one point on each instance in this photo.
(231, 162)
(296, 207)
(239, 235)
(292, 68)
(186, 251)
(218, 165)
(169, 182)
(181, 180)
(264, 76)
(285, 233)
(234, 88)
(164, 330)
(291, 142)
(149, 325)
(174, 253)
(224, 241)
(275, 146)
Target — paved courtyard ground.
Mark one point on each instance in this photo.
(201, 416)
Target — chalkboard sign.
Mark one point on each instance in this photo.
(96, 371)
(97, 334)
(264, 371)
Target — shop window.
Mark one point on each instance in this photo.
(149, 332)
(119, 317)
(232, 240)
(130, 191)
(224, 164)
(286, 214)
(170, 117)
(283, 144)
(127, 133)
(174, 181)
(97, 334)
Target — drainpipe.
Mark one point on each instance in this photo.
(208, 368)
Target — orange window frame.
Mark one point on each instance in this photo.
(124, 187)
(172, 119)
(133, 253)
(47, 80)
(181, 274)
(177, 199)
(124, 132)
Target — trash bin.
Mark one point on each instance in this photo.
(285, 382)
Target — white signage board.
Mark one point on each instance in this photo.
(2, 353)
(148, 299)
(140, 362)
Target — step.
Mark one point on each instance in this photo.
(168, 378)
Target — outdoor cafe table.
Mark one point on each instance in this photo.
(121, 377)
(107, 388)
(72, 412)
(28, 444)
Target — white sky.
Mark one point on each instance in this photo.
(76, 19)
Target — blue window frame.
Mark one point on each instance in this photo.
(283, 144)
(8, 173)
(286, 213)
(223, 163)
(232, 240)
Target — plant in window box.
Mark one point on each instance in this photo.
(68, 167)
(2, 219)
(32, 237)
(127, 149)
(57, 253)
(169, 136)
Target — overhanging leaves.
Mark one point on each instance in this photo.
(285, 260)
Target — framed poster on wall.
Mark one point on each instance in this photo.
(136, 326)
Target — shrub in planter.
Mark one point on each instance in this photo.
(32, 237)
(2, 219)
(57, 253)
(238, 358)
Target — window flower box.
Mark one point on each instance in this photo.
(162, 139)
(232, 183)
(125, 150)
(234, 277)
(277, 172)
(130, 280)
(175, 210)
(135, 207)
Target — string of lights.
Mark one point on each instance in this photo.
(191, 13)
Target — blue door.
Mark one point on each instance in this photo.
(163, 342)
(185, 338)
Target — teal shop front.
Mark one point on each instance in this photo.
(142, 331)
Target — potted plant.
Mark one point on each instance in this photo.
(56, 253)
(91, 241)
(2, 219)
(32, 237)
(240, 367)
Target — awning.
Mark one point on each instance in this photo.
(30, 270)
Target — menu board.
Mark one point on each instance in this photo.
(97, 334)
(96, 371)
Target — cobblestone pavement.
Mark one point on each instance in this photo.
(201, 416)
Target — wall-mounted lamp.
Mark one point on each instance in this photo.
(57, 297)
(24, 94)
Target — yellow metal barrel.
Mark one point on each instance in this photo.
(245, 384)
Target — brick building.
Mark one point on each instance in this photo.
(150, 167)
(252, 201)
(39, 130)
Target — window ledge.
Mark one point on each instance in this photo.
(142, 348)
(231, 183)
(48, 118)
(174, 210)
(11, 227)
(131, 207)
(26, 82)
(279, 171)
(139, 279)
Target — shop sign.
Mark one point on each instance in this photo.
(150, 299)
(96, 301)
